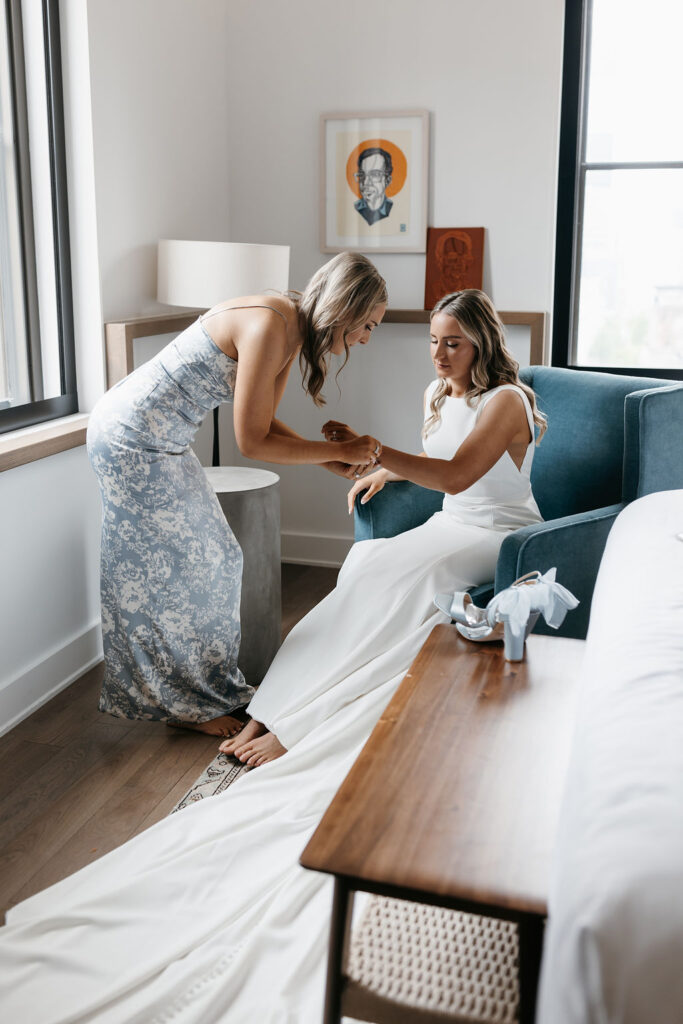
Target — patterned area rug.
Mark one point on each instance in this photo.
(221, 773)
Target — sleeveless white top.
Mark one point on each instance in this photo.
(501, 499)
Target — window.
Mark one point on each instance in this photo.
(619, 257)
(37, 365)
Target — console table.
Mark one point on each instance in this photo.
(454, 799)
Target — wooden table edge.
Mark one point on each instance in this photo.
(491, 902)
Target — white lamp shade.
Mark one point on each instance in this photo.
(203, 274)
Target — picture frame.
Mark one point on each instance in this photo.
(374, 173)
(455, 260)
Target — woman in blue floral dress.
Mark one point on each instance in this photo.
(171, 567)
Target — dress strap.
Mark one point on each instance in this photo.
(256, 305)
(525, 400)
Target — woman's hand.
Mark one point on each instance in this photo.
(359, 453)
(363, 451)
(341, 469)
(372, 484)
(335, 431)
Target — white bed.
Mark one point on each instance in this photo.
(614, 943)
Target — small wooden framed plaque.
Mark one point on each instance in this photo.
(455, 260)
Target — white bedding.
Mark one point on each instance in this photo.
(614, 943)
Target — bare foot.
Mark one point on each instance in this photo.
(249, 732)
(261, 750)
(226, 725)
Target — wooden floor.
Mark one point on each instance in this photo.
(75, 783)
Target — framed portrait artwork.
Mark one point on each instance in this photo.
(373, 181)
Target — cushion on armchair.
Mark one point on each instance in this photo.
(579, 463)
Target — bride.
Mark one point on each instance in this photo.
(208, 916)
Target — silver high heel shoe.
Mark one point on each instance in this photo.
(511, 614)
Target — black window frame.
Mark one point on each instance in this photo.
(65, 404)
(572, 165)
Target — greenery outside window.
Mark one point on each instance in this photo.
(37, 363)
(619, 258)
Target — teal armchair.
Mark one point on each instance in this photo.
(610, 439)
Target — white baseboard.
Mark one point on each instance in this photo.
(21, 696)
(315, 548)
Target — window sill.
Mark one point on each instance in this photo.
(32, 443)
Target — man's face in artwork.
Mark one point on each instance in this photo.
(373, 179)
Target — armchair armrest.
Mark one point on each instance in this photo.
(399, 506)
(575, 545)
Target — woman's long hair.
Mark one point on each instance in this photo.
(342, 293)
(493, 363)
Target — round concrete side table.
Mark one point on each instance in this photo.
(250, 499)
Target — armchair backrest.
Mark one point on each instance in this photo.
(653, 454)
(579, 464)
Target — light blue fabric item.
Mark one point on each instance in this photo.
(171, 569)
(579, 465)
(610, 439)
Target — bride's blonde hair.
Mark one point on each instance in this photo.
(493, 363)
(342, 293)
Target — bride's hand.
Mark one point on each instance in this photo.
(372, 484)
(336, 431)
(341, 469)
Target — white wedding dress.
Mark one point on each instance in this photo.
(207, 916)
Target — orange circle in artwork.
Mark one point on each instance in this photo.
(399, 162)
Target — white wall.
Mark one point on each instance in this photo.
(490, 74)
(49, 599)
(160, 95)
(159, 82)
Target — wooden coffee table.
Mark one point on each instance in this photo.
(454, 798)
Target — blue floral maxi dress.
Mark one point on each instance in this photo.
(171, 568)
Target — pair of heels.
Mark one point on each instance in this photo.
(511, 614)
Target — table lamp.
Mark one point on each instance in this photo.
(202, 274)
